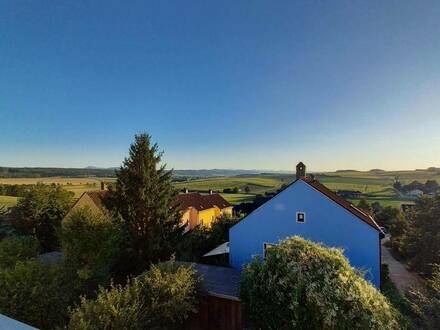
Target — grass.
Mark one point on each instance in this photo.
(238, 198)
(8, 201)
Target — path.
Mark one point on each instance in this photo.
(399, 275)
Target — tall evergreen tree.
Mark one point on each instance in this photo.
(144, 197)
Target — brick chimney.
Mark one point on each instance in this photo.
(300, 171)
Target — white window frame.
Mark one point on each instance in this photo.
(303, 213)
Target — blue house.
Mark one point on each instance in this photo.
(309, 209)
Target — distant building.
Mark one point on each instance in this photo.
(415, 193)
(197, 209)
(349, 194)
(406, 207)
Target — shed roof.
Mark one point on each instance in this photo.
(218, 280)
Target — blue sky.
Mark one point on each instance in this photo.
(231, 84)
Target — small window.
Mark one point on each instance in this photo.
(300, 217)
(266, 247)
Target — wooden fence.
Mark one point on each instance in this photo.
(216, 313)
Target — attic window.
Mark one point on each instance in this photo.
(300, 217)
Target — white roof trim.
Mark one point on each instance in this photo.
(221, 249)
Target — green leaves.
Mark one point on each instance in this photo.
(304, 285)
(159, 299)
(144, 198)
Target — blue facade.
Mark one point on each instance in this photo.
(325, 221)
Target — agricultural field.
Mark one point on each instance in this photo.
(8, 201)
(375, 185)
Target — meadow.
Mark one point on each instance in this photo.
(375, 185)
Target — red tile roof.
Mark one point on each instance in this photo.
(201, 202)
(364, 216)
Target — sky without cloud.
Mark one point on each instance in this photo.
(231, 84)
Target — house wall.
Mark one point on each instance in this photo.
(206, 217)
(325, 222)
(227, 211)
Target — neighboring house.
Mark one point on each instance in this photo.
(197, 209)
(203, 209)
(91, 199)
(415, 193)
(309, 209)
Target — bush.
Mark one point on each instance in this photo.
(17, 248)
(425, 302)
(159, 299)
(91, 242)
(40, 212)
(36, 293)
(304, 285)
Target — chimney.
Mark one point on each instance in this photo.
(211, 191)
(102, 185)
(300, 171)
(185, 190)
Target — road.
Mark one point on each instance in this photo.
(399, 274)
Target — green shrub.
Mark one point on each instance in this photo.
(17, 248)
(159, 299)
(40, 212)
(36, 294)
(425, 302)
(90, 242)
(304, 285)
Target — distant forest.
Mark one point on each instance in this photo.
(45, 172)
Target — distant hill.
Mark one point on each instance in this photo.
(40, 172)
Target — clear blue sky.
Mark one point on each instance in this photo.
(230, 84)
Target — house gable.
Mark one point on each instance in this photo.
(325, 221)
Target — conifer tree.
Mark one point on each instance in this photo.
(144, 198)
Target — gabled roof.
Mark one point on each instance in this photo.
(97, 197)
(364, 216)
(201, 202)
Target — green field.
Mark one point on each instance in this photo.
(8, 201)
(375, 185)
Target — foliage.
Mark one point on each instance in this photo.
(144, 198)
(91, 242)
(36, 293)
(418, 238)
(17, 248)
(363, 204)
(40, 212)
(160, 299)
(195, 243)
(426, 302)
(386, 215)
(400, 302)
(304, 285)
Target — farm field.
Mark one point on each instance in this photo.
(375, 185)
(8, 201)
